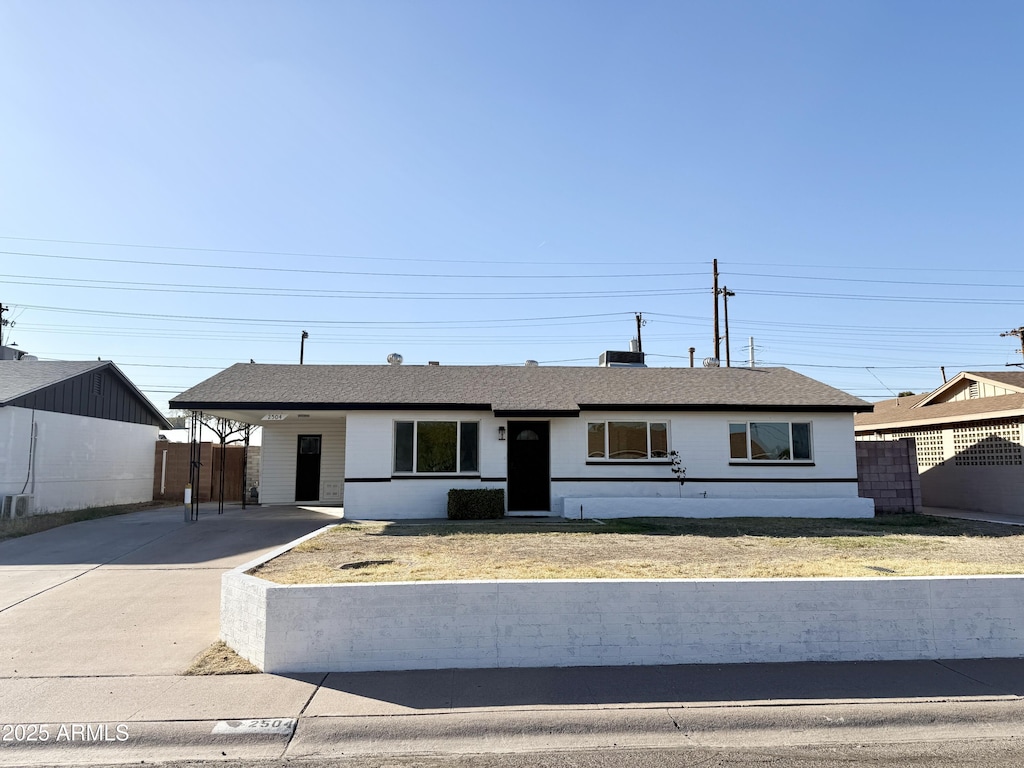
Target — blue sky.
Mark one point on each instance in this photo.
(188, 185)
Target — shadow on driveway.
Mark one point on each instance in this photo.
(163, 537)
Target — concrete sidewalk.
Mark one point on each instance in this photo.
(255, 717)
(150, 698)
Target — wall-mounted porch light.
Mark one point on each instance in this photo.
(501, 433)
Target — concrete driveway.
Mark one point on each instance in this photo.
(128, 595)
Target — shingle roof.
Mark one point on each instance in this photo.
(511, 389)
(20, 377)
(1012, 378)
(901, 410)
(907, 410)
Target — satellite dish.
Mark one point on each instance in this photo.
(711, 362)
(394, 359)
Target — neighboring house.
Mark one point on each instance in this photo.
(74, 435)
(390, 441)
(968, 436)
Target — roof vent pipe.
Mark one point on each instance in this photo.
(692, 350)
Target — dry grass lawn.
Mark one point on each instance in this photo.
(220, 659)
(902, 545)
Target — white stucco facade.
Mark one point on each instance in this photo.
(359, 455)
(74, 462)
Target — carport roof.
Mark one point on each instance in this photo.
(511, 390)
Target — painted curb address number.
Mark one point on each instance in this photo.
(276, 726)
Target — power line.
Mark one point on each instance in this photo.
(306, 321)
(314, 255)
(862, 297)
(958, 284)
(347, 273)
(149, 287)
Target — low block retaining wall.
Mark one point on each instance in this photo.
(462, 624)
(609, 507)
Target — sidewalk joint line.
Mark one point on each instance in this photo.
(302, 711)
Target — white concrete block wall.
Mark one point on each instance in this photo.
(243, 615)
(437, 625)
(749, 506)
(80, 461)
(278, 456)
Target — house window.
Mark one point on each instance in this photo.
(770, 441)
(627, 440)
(437, 446)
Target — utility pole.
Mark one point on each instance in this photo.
(751, 351)
(3, 322)
(1019, 333)
(715, 291)
(640, 322)
(726, 293)
(302, 346)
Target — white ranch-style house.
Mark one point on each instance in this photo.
(389, 441)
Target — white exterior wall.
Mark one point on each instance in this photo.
(438, 625)
(278, 457)
(702, 440)
(80, 461)
(371, 493)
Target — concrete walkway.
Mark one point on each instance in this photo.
(970, 514)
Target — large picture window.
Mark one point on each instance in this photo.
(627, 440)
(770, 441)
(437, 446)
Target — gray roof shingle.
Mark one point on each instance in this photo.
(511, 389)
(20, 377)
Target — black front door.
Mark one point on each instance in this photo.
(307, 468)
(529, 470)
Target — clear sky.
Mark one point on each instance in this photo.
(185, 185)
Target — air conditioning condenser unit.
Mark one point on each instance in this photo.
(15, 505)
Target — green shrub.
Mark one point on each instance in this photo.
(476, 504)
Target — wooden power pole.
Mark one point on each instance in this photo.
(718, 339)
(1019, 333)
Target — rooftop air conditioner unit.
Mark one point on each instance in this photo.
(16, 505)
